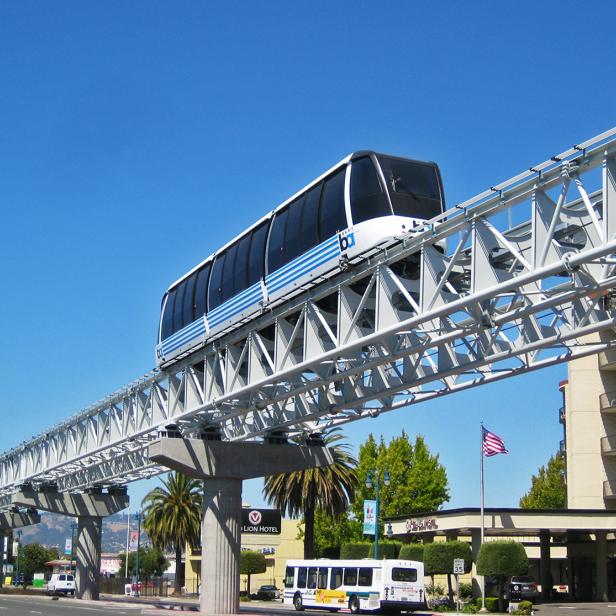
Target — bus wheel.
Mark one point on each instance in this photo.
(354, 605)
(298, 603)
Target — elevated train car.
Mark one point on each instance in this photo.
(363, 201)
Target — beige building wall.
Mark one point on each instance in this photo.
(276, 548)
(590, 421)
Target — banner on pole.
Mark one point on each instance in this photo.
(133, 540)
(68, 547)
(369, 517)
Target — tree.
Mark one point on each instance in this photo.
(502, 559)
(438, 558)
(328, 489)
(152, 562)
(548, 489)
(33, 556)
(334, 531)
(172, 517)
(418, 481)
(251, 562)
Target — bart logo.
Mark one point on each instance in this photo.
(346, 241)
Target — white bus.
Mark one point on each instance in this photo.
(360, 585)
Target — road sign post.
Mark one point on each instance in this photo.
(458, 568)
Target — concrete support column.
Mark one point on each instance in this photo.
(601, 563)
(545, 564)
(223, 466)
(88, 553)
(477, 580)
(220, 535)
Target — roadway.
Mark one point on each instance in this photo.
(32, 605)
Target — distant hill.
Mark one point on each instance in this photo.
(54, 529)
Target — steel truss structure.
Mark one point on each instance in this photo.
(510, 281)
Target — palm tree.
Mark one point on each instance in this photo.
(172, 517)
(327, 488)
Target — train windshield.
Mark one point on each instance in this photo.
(414, 187)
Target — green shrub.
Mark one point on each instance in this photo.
(443, 608)
(412, 551)
(244, 598)
(350, 551)
(436, 590)
(491, 603)
(524, 608)
(466, 590)
(503, 558)
(387, 549)
(439, 556)
(470, 608)
(332, 552)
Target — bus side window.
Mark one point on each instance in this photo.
(336, 578)
(322, 580)
(403, 574)
(365, 576)
(367, 197)
(289, 577)
(332, 215)
(167, 325)
(350, 577)
(301, 577)
(312, 577)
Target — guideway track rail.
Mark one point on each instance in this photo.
(411, 321)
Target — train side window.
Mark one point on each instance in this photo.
(275, 252)
(167, 324)
(332, 215)
(188, 315)
(293, 234)
(178, 322)
(200, 297)
(367, 197)
(228, 283)
(310, 219)
(215, 288)
(241, 264)
(257, 253)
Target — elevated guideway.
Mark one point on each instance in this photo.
(507, 282)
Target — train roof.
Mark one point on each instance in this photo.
(344, 161)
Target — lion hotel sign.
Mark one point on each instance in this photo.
(261, 521)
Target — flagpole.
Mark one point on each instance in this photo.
(127, 542)
(483, 590)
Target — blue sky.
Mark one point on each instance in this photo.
(137, 137)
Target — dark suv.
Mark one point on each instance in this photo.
(523, 588)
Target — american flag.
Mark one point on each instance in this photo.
(492, 444)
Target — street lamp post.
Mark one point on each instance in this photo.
(138, 517)
(73, 529)
(16, 583)
(377, 485)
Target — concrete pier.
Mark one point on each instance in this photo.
(223, 467)
(89, 509)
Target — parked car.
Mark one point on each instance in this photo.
(268, 592)
(61, 583)
(523, 588)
